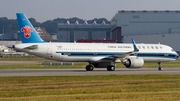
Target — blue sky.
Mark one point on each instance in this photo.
(43, 10)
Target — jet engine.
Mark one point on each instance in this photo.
(134, 62)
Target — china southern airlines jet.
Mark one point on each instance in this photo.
(98, 55)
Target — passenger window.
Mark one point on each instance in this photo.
(156, 47)
(139, 47)
(152, 47)
(143, 47)
(148, 47)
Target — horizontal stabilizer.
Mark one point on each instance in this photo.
(31, 47)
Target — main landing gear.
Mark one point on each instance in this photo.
(160, 68)
(110, 68)
(89, 67)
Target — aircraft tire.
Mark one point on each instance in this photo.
(89, 68)
(160, 69)
(110, 68)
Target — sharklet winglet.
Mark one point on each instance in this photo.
(134, 45)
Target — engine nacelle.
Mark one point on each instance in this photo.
(134, 62)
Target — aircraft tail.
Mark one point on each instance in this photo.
(27, 32)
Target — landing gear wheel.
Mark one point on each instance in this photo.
(89, 68)
(110, 68)
(160, 68)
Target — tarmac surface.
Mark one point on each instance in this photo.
(82, 71)
(79, 71)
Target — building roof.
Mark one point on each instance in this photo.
(148, 11)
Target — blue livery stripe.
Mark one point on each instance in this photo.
(108, 54)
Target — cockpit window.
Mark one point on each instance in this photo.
(172, 50)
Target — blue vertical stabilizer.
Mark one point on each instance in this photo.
(27, 31)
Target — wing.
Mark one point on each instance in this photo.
(113, 57)
(127, 53)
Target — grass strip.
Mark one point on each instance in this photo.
(99, 87)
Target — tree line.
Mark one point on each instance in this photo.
(9, 26)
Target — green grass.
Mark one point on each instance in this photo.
(165, 64)
(25, 59)
(91, 88)
(40, 66)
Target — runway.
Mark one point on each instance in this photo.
(80, 72)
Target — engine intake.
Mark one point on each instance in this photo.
(134, 62)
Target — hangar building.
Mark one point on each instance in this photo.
(147, 27)
(142, 26)
(68, 32)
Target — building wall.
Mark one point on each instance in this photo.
(73, 32)
(9, 43)
(80, 35)
(145, 22)
(116, 34)
(99, 35)
(168, 39)
(63, 36)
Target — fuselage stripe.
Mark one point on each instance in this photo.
(108, 54)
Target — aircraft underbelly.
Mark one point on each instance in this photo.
(70, 59)
(153, 59)
(77, 59)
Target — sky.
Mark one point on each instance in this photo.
(43, 10)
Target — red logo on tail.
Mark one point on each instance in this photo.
(27, 32)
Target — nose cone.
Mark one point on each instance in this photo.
(177, 56)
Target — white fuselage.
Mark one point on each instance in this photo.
(92, 52)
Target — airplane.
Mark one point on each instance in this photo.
(98, 55)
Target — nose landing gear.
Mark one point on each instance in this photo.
(160, 68)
